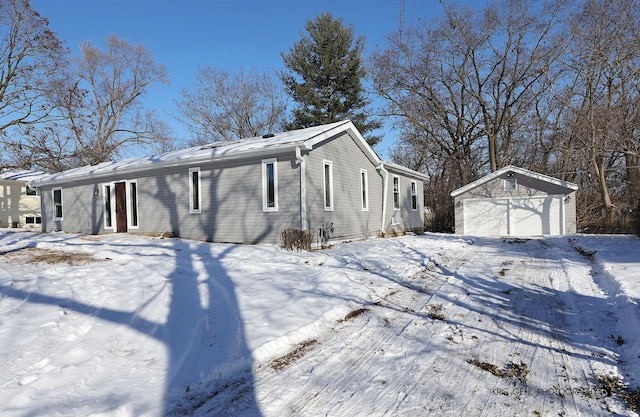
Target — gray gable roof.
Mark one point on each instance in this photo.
(305, 139)
(518, 170)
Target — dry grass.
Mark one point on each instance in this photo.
(353, 314)
(435, 312)
(48, 256)
(520, 371)
(613, 385)
(300, 350)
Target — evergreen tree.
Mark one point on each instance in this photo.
(324, 77)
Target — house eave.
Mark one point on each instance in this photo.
(510, 168)
(149, 164)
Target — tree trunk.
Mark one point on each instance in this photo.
(598, 165)
(493, 160)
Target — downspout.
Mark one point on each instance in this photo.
(563, 200)
(304, 222)
(385, 190)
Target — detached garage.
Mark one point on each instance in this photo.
(515, 202)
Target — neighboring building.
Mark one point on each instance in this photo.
(19, 204)
(324, 179)
(515, 201)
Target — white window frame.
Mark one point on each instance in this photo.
(265, 185)
(396, 193)
(53, 199)
(327, 182)
(131, 207)
(108, 197)
(364, 189)
(192, 209)
(414, 195)
(513, 187)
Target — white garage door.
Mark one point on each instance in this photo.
(531, 216)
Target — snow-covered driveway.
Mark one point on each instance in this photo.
(417, 325)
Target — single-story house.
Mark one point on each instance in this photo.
(515, 201)
(324, 179)
(19, 204)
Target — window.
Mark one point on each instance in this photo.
(414, 195)
(57, 203)
(364, 189)
(194, 191)
(106, 199)
(269, 185)
(396, 192)
(133, 204)
(328, 185)
(31, 190)
(510, 184)
(33, 220)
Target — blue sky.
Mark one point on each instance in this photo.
(223, 34)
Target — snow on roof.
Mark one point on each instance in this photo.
(518, 170)
(216, 151)
(245, 148)
(21, 175)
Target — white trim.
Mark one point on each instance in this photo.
(385, 191)
(414, 194)
(130, 207)
(53, 200)
(364, 189)
(265, 185)
(108, 198)
(325, 164)
(396, 191)
(304, 220)
(192, 209)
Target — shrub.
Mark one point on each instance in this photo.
(297, 239)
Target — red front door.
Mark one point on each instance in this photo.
(121, 207)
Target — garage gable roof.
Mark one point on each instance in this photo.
(518, 170)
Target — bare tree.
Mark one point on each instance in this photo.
(605, 62)
(465, 88)
(225, 107)
(32, 61)
(103, 111)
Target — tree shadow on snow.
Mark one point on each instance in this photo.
(203, 332)
(524, 308)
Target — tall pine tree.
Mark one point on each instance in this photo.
(324, 77)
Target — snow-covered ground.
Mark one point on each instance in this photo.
(125, 325)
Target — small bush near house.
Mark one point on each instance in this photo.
(297, 239)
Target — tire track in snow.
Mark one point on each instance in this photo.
(315, 384)
(331, 389)
(535, 318)
(524, 315)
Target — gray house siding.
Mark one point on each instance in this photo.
(348, 218)
(231, 181)
(404, 218)
(80, 210)
(231, 203)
